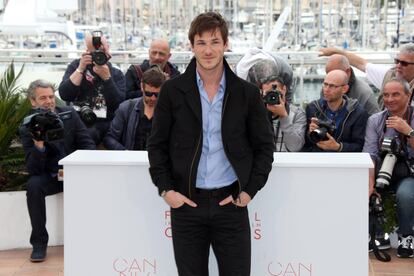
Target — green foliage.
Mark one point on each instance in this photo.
(390, 212)
(13, 108)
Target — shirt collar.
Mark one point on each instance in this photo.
(222, 86)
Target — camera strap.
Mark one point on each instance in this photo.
(380, 255)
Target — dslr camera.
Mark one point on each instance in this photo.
(324, 127)
(272, 97)
(392, 148)
(98, 56)
(86, 113)
(46, 125)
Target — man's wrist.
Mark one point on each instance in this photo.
(106, 78)
(164, 192)
(410, 133)
(79, 71)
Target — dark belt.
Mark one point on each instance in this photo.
(220, 192)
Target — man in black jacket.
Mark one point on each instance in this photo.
(159, 54)
(210, 152)
(335, 123)
(42, 159)
(95, 90)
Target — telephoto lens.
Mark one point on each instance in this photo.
(385, 173)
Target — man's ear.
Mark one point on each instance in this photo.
(345, 89)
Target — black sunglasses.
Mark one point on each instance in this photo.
(402, 62)
(150, 94)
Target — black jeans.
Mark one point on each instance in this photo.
(38, 187)
(225, 228)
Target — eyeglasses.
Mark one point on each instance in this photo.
(150, 94)
(331, 85)
(402, 62)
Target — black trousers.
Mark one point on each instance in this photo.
(38, 187)
(225, 228)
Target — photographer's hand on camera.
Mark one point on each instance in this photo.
(102, 71)
(313, 124)
(330, 145)
(399, 124)
(278, 110)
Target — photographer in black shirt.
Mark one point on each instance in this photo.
(94, 86)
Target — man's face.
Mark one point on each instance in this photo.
(159, 54)
(45, 98)
(333, 88)
(404, 69)
(209, 49)
(150, 94)
(395, 99)
(269, 85)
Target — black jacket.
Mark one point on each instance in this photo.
(352, 131)
(113, 89)
(175, 145)
(133, 79)
(76, 137)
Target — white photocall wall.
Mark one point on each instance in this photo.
(116, 224)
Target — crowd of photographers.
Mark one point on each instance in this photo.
(112, 111)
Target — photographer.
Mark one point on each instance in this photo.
(288, 120)
(94, 86)
(395, 123)
(336, 123)
(43, 153)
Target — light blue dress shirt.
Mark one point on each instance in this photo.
(214, 169)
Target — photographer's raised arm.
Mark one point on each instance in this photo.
(354, 59)
(69, 90)
(77, 75)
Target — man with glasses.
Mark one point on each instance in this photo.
(377, 74)
(159, 54)
(335, 122)
(132, 123)
(358, 88)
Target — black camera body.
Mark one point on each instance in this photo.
(273, 96)
(86, 113)
(324, 127)
(98, 56)
(376, 209)
(46, 125)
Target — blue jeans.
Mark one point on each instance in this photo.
(405, 206)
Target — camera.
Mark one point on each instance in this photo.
(272, 97)
(324, 127)
(98, 56)
(392, 149)
(45, 125)
(86, 113)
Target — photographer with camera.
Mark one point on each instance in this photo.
(336, 123)
(389, 140)
(94, 86)
(49, 134)
(132, 123)
(273, 76)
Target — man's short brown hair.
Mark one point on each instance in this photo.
(208, 21)
(154, 76)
